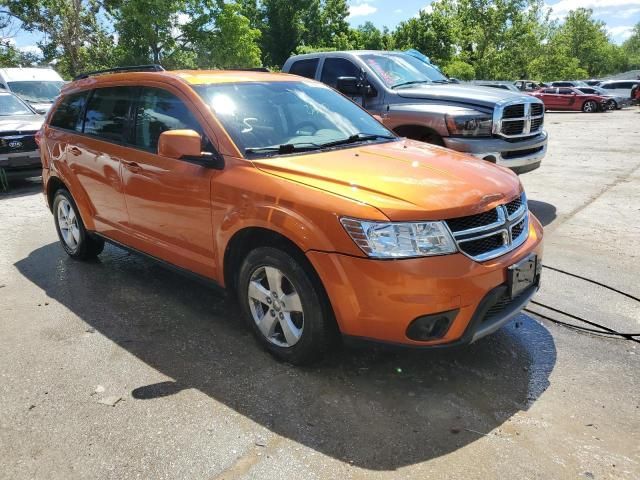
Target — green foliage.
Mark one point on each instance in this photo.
(631, 48)
(488, 39)
(73, 35)
(460, 70)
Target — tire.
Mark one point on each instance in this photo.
(612, 105)
(287, 311)
(74, 238)
(589, 106)
(432, 138)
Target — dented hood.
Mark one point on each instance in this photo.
(405, 180)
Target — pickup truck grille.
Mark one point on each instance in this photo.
(17, 141)
(493, 233)
(521, 120)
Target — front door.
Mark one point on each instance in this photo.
(169, 201)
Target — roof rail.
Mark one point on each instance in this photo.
(133, 68)
(252, 69)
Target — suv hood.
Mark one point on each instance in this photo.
(464, 94)
(405, 180)
(26, 123)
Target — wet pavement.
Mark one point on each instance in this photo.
(194, 397)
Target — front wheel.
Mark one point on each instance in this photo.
(73, 236)
(284, 306)
(612, 105)
(590, 106)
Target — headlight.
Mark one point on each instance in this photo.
(470, 124)
(400, 240)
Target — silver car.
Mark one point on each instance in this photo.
(614, 102)
(19, 153)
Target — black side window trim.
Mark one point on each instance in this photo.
(129, 137)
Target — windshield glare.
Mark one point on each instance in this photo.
(10, 105)
(37, 91)
(397, 68)
(259, 115)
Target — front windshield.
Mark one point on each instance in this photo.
(36, 91)
(396, 69)
(10, 105)
(267, 118)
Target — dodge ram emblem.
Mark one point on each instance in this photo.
(15, 144)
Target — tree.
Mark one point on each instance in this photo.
(148, 30)
(73, 35)
(585, 39)
(431, 33)
(221, 37)
(631, 47)
(283, 29)
(460, 70)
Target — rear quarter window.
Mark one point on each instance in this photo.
(305, 68)
(69, 114)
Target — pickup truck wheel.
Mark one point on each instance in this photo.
(283, 306)
(432, 138)
(73, 236)
(590, 106)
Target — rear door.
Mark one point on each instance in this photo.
(93, 153)
(169, 200)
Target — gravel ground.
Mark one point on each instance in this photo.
(121, 369)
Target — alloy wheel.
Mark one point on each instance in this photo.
(275, 306)
(68, 224)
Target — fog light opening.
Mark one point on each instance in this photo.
(431, 327)
(490, 158)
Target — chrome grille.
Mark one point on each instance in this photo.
(493, 233)
(519, 119)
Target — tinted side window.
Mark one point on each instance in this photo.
(627, 85)
(550, 90)
(107, 112)
(337, 67)
(609, 86)
(305, 68)
(68, 115)
(565, 91)
(157, 112)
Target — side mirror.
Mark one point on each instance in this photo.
(348, 85)
(187, 145)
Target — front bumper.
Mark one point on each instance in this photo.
(378, 299)
(521, 156)
(21, 164)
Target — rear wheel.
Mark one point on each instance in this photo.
(73, 236)
(284, 306)
(590, 106)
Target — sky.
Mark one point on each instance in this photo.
(619, 15)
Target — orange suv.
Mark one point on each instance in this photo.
(321, 220)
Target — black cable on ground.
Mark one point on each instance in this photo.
(603, 330)
(628, 295)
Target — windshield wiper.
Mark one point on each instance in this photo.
(442, 81)
(411, 82)
(310, 146)
(284, 148)
(358, 137)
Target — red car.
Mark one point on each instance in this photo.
(570, 98)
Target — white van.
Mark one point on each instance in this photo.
(38, 86)
(621, 88)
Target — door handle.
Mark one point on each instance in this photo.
(132, 166)
(75, 151)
